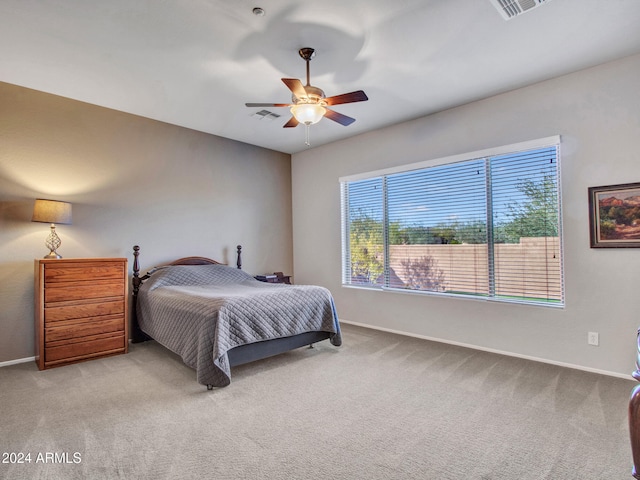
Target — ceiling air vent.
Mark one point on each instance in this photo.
(512, 8)
(265, 114)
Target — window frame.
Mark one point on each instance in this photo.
(551, 141)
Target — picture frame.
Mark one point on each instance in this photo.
(614, 216)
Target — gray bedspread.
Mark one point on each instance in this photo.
(201, 312)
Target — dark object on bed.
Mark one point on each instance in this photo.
(634, 416)
(277, 277)
(216, 317)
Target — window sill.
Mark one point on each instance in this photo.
(498, 300)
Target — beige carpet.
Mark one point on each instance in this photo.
(379, 407)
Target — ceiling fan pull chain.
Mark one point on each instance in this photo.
(306, 135)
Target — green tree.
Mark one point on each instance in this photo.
(535, 217)
(397, 234)
(366, 242)
(409, 235)
(453, 233)
(419, 235)
(473, 232)
(445, 233)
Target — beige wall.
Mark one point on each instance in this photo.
(597, 113)
(173, 191)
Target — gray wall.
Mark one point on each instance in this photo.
(597, 113)
(131, 180)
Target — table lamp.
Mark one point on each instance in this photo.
(52, 211)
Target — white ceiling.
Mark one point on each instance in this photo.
(195, 63)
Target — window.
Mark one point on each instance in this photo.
(484, 225)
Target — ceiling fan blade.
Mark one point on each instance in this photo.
(351, 97)
(268, 104)
(295, 86)
(338, 117)
(291, 123)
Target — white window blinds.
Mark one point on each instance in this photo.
(364, 232)
(486, 227)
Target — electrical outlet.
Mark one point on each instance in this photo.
(593, 338)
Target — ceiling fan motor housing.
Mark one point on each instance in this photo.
(314, 95)
(307, 53)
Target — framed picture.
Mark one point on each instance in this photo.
(614, 216)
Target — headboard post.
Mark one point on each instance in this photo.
(137, 335)
(136, 270)
(239, 262)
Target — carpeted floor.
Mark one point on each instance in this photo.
(381, 406)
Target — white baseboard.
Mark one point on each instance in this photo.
(491, 350)
(16, 361)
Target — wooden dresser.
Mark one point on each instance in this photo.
(81, 309)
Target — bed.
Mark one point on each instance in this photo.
(216, 317)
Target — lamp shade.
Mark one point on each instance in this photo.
(308, 113)
(51, 211)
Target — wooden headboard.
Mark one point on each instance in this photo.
(136, 334)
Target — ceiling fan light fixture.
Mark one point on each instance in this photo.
(308, 113)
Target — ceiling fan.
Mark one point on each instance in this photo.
(309, 103)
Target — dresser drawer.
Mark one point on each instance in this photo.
(81, 292)
(71, 272)
(68, 330)
(82, 310)
(73, 351)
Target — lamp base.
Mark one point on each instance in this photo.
(53, 243)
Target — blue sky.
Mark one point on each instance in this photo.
(453, 192)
